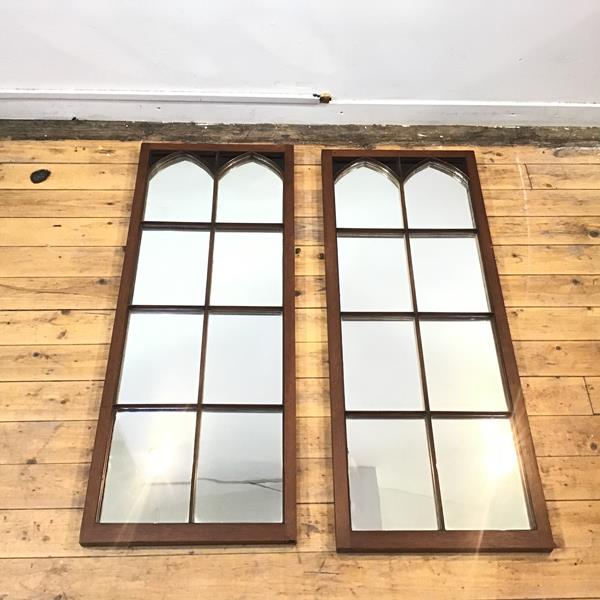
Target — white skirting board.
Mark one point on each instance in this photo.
(209, 108)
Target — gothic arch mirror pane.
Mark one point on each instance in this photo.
(367, 195)
(437, 197)
(179, 189)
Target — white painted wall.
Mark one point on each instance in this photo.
(385, 61)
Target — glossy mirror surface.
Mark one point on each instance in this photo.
(381, 366)
(448, 275)
(240, 470)
(436, 198)
(161, 361)
(373, 274)
(479, 474)
(247, 269)
(172, 268)
(244, 359)
(250, 192)
(149, 473)
(180, 191)
(390, 475)
(462, 367)
(367, 195)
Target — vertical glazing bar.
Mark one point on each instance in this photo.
(428, 420)
(209, 265)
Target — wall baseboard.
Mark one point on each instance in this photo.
(170, 107)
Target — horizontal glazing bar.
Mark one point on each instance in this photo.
(204, 408)
(242, 408)
(421, 414)
(424, 316)
(442, 233)
(193, 309)
(260, 227)
(217, 310)
(353, 232)
(399, 232)
(176, 225)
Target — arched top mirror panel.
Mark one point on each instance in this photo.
(180, 188)
(250, 191)
(367, 195)
(437, 197)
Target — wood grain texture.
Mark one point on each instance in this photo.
(571, 573)
(554, 323)
(50, 400)
(576, 525)
(542, 203)
(560, 358)
(56, 204)
(63, 232)
(550, 290)
(60, 261)
(564, 176)
(56, 326)
(16, 176)
(548, 260)
(556, 396)
(593, 389)
(58, 293)
(545, 230)
(307, 154)
(65, 151)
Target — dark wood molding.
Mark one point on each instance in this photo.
(539, 538)
(95, 533)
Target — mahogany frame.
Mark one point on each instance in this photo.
(94, 533)
(537, 539)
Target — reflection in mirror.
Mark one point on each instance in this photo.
(479, 474)
(437, 197)
(240, 471)
(381, 366)
(448, 275)
(161, 360)
(250, 192)
(373, 274)
(461, 366)
(181, 190)
(251, 347)
(367, 195)
(172, 268)
(247, 269)
(149, 473)
(390, 475)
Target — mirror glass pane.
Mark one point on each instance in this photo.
(172, 268)
(161, 361)
(249, 346)
(373, 274)
(479, 474)
(390, 475)
(448, 275)
(462, 367)
(436, 199)
(381, 366)
(240, 469)
(367, 196)
(247, 269)
(182, 191)
(149, 473)
(250, 192)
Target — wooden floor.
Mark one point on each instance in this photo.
(60, 258)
